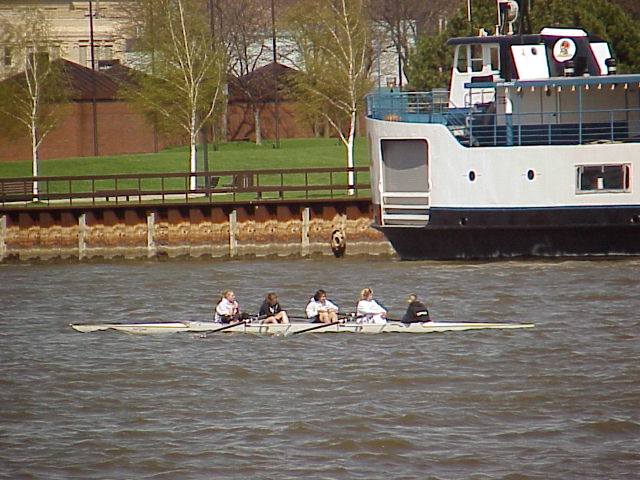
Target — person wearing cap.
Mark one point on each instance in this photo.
(416, 311)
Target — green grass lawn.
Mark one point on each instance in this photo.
(293, 153)
(235, 156)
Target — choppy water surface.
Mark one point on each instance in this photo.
(558, 401)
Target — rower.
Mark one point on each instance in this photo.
(368, 310)
(271, 310)
(416, 311)
(227, 309)
(320, 309)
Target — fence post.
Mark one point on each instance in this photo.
(304, 241)
(82, 232)
(3, 237)
(151, 231)
(233, 231)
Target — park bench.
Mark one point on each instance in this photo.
(16, 190)
(245, 182)
(240, 181)
(115, 194)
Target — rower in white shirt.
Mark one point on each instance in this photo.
(368, 310)
(227, 309)
(321, 310)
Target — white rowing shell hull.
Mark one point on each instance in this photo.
(292, 328)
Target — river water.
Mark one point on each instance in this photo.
(561, 400)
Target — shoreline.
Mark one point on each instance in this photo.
(232, 231)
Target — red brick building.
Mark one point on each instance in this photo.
(258, 90)
(120, 129)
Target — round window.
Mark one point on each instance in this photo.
(472, 176)
(531, 174)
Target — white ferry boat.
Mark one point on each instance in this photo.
(533, 152)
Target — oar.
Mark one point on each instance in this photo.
(207, 332)
(316, 327)
(347, 317)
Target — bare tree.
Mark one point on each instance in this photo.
(183, 87)
(401, 22)
(333, 44)
(31, 99)
(246, 29)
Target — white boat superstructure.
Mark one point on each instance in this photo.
(256, 328)
(533, 151)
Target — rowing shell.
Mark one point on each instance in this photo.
(292, 328)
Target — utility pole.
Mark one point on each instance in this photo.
(275, 75)
(93, 82)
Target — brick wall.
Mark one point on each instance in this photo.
(121, 130)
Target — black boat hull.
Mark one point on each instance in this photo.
(509, 233)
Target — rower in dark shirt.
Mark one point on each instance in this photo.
(416, 311)
(271, 310)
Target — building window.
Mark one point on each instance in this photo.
(106, 52)
(7, 57)
(603, 178)
(83, 56)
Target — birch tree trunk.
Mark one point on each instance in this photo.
(32, 96)
(257, 124)
(332, 39)
(189, 68)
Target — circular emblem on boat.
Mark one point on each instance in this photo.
(564, 49)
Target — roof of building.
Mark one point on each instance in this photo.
(84, 83)
(260, 84)
(104, 83)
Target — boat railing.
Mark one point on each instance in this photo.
(483, 126)
(200, 187)
(418, 107)
(577, 127)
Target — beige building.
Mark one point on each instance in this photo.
(70, 23)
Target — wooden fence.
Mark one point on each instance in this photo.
(204, 187)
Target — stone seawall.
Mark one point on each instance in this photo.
(191, 230)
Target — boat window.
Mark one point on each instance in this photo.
(461, 64)
(494, 53)
(603, 178)
(476, 58)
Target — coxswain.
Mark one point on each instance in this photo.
(416, 311)
(321, 310)
(271, 311)
(368, 310)
(228, 309)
